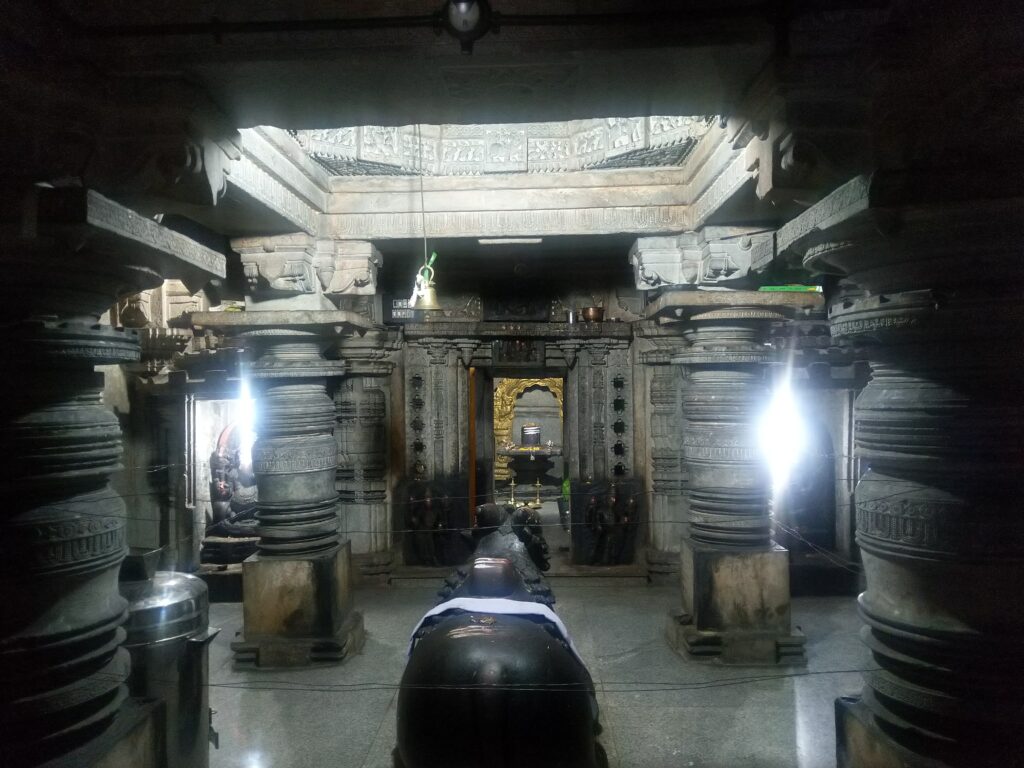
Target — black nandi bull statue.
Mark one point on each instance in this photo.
(493, 678)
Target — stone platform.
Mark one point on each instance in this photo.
(298, 611)
(736, 606)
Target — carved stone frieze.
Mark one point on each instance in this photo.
(710, 256)
(529, 223)
(618, 142)
(354, 265)
(305, 270)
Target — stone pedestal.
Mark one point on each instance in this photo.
(298, 611)
(62, 525)
(938, 429)
(297, 604)
(735, 605)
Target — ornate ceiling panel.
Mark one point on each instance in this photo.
(459, 150)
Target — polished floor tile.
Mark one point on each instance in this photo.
(658, 709)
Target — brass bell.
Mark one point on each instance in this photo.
(424, 294)
(428, 299)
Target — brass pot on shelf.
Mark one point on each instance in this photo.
(593, 314)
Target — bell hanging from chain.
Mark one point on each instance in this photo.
(428, 299)
(424, 293)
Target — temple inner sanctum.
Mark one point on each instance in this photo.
(463, 383)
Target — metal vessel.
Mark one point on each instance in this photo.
(168, 639)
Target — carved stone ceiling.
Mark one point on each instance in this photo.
(458, 150)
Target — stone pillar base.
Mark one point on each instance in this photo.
(373, 567)
(135, 737)
(298, 611)
(662, 567)
(861, 743)
(735, 606)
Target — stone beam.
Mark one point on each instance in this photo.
(78, 218)
(592, 202)
(280, 185)
(675, 304)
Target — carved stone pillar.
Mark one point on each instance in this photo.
(445, 420)
(62, 526)
(572, 415)
(297, 587)
(735, 579)
(666, 478)
(362, 401)
(938, 429)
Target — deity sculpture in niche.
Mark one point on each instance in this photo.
(495, 654)
(605, 523)
(431, 522)
(231, 528)
(507, 392)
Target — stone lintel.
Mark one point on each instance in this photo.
(79, 218)
(847, 204)
(678, 304)
(893, 231)
(279, 155)
(325, 322)
(527, 222)
(513, 329)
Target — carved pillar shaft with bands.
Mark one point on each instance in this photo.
(62, 526)
(937, 523)
(295, 455)
(361, 403)
(725, 393)
(298, 599)
(939, 432)
(734, 578)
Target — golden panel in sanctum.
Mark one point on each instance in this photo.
(505, 396)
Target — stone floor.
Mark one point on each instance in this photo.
(658, 710)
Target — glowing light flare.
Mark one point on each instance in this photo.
(246, 425)
(782, 434)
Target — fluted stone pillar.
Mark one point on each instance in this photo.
(939, 433)
(735, 579)
(666, 476)
(62, 526)
(297, 587)
(362, 402)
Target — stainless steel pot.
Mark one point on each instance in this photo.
(168, 639)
